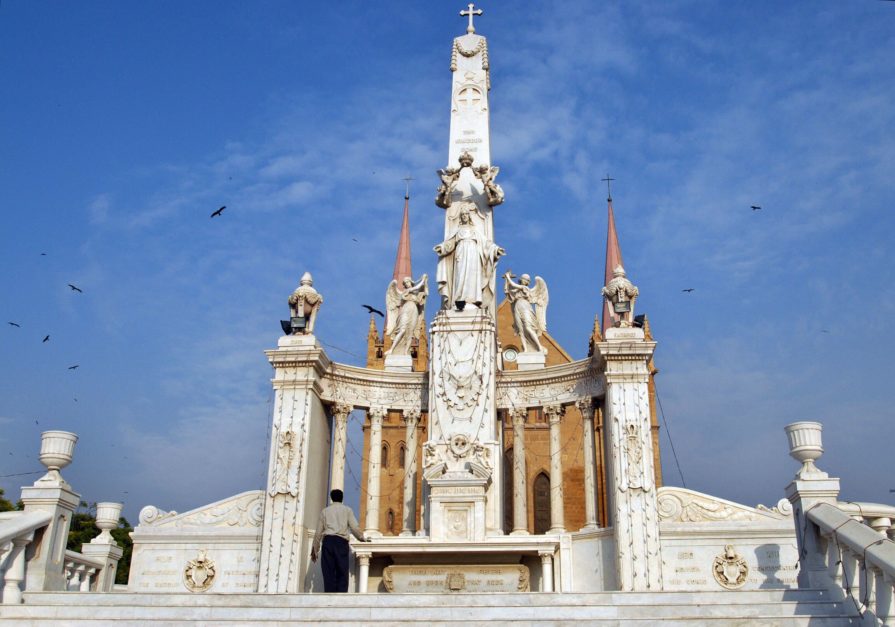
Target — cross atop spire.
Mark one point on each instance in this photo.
(470, 12)
(407, 180)
(608, 180)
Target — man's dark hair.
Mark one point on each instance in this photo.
(336, 496)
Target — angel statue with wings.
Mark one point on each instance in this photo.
(527, 323)
(404, 307)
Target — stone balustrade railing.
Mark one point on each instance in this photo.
(858, 560)
(81, 572)
(17, 531)
(877, 516)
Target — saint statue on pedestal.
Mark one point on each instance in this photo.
(529, 324)
(466, 265)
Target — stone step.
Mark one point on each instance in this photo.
(771, 607)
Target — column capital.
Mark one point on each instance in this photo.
(554, 412)
(377, 414)
(363, 557)
(412, 416)
(519, 415)
(341, 410)
(586, 406)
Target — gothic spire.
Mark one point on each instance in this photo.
(613, 257)
(402, 259)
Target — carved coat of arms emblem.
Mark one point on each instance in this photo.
(198, 576)
(730, 568)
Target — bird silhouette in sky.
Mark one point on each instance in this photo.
(75, 367)
(46, 339)
(689, 289)
(755, 207)
(14, 324)
(218, 212)
(75, 288)
(824, 331)
(43, 254)
(373, 310)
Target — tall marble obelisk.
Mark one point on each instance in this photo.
(462, 456)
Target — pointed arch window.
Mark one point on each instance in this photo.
(402, 454)
(541, 490)
(385, 455)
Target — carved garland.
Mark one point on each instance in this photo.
(481, 47)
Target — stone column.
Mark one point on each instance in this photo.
(520, 491)
(300, 442)
(557, 517)
(586, 407)
(412, 421)
(546, 571)
(340, 413)
(46, 561)
(15, 570)
(363, 571)
(810, 487)
(377, 414)
(630, 475)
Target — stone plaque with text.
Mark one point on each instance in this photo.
(461, 578)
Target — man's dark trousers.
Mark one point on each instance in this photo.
(334, 563)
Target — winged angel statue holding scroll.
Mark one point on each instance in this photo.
(404, 307)
(529, 310)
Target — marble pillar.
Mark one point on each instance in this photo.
(363, 570)
(520, 492)
(371, 528)
(557, 518)
(297, 468)
(340, 412)
(631, 476)
(412, 421)
(586, 407)
(546, 571)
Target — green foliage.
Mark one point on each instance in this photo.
(5, 505)
(83, 529)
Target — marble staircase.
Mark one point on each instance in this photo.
(627, 609)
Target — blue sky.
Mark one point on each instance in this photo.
(125, 124)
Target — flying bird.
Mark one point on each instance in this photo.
(14, 324)
(74, 367)
(373, 310)
(689, 289)
(755, 207)
(75, 288)
(824, 331)
(218, 212)
(43, 254)
(46, 339)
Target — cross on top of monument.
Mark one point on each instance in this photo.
(470, 12)
(608, 180)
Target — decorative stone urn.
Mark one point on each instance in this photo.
(806, 446)
(107, 515)
(56, 452)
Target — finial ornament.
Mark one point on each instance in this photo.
(304, 303)
(608, 180)
(470, 12)
(622, 294)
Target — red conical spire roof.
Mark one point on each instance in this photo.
(402, 259)
(613, 259)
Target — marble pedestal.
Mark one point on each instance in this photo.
(531, 361)
(457, 508)
(398, 363)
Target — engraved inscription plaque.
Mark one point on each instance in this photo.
(461, 578)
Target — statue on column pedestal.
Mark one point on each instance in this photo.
(404, 311)
(529, 324)
(304, 303)
(466, 264)
(621, 293)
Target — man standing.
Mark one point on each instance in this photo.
(336, 521)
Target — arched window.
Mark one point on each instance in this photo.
(385, 455)
(508, 490)
(390, 521)
(402, 454)
(541, 491)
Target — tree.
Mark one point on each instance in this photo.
(83, 529)
(9, 506)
